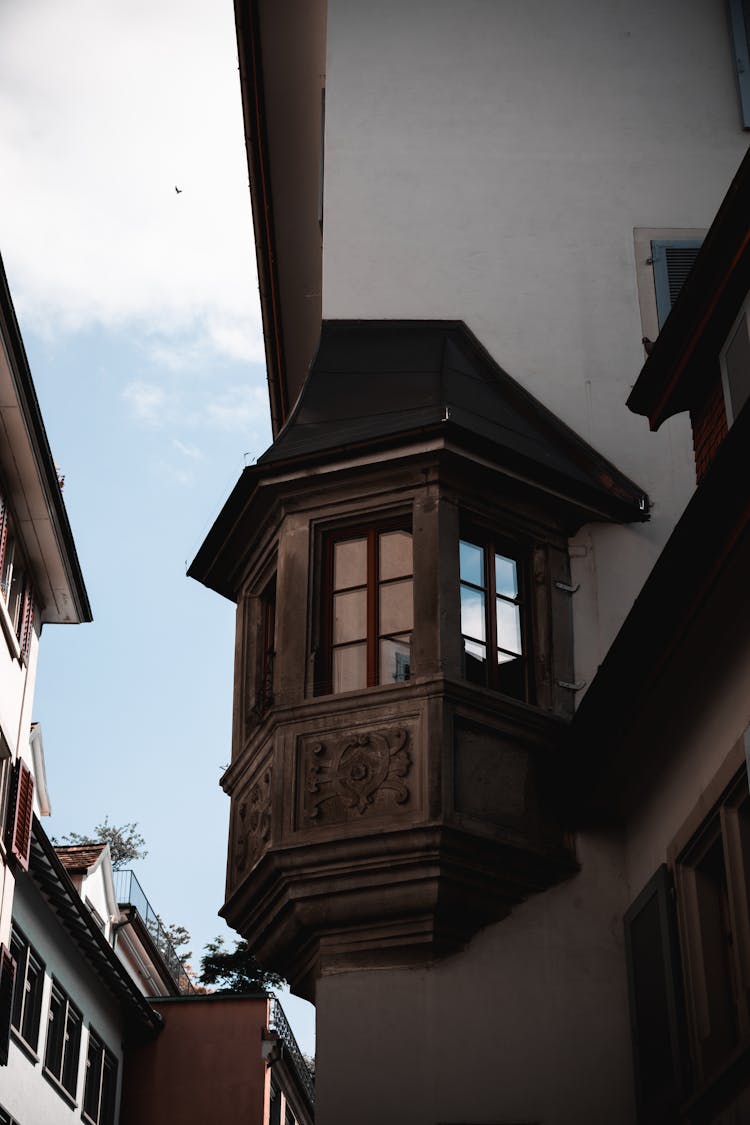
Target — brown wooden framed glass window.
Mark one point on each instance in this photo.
(713, 887)
(369, 607)
(268, 648)
(493, 612)
(15, 585)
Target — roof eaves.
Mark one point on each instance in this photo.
(48, 872)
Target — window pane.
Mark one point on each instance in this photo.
(506, 581)
(55, 1034)
(396, 607)
(349, 563)
(395, 660)
(472, 613)
(350, 668)
(349, 616)
(395, 554)
(510, 675)
(33, 1006)
(109, 1089)
(93, 1078)
(508, 626)
(471, 563)
(475, 660)
(72, 1047)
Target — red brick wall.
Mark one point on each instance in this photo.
(709, 420)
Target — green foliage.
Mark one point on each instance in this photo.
(125, 842)
(235, 970)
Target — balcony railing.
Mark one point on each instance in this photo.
(280, 1025)
(130, 892)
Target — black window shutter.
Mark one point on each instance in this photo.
(656, 1001)
(7, 980)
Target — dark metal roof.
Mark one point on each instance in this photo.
(47, 871)
(373, 379)
(684, 355)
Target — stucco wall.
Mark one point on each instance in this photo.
(24, 1092)
(204, 1066)
(490, 162)
(529, 1023)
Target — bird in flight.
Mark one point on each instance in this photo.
(178, 190)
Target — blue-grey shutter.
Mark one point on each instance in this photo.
(672, 262)
(657, 1017)
(739, 22)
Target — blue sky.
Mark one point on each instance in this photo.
(139, 311)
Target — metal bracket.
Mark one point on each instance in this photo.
(567, 588)
(571, 687)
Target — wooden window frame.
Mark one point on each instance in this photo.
(264, 684)
(7, 987)
(491, 545)
(19, 819)
(371, 532)
(26, 953)
(70, 1042)
(743, 315)
(106, 1057)
(721, 824)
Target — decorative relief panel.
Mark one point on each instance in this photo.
(350, 775)
(252, 826)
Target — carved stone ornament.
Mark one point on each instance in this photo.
(253, 825)
(348, 774)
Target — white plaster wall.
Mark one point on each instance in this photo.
(94, 889)
(490, 161)
(528, 1024)
(17, 681)
(25, 1093)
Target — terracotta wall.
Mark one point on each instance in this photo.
(204, 1066)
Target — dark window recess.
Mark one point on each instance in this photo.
(63, 1040)
(656, 1001)
(274, 1116)
(27, 993)
(100, 1090)
(20, 812)
(492, 618)
(672, 262)
(739, 22)
(7, 980)
(5, 1117)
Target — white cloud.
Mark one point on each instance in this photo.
(146, 401)
(104, 108)
(190, 451)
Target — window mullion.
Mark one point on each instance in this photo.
(373, 602)
(491, 612)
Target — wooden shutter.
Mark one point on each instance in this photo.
(7, 980)
(739, 22)
(656, 1001)
(18, 839)
(672, 261)
(3, 530)
(27, 620)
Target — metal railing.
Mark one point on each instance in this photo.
(129, 892)
(280, 1025)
